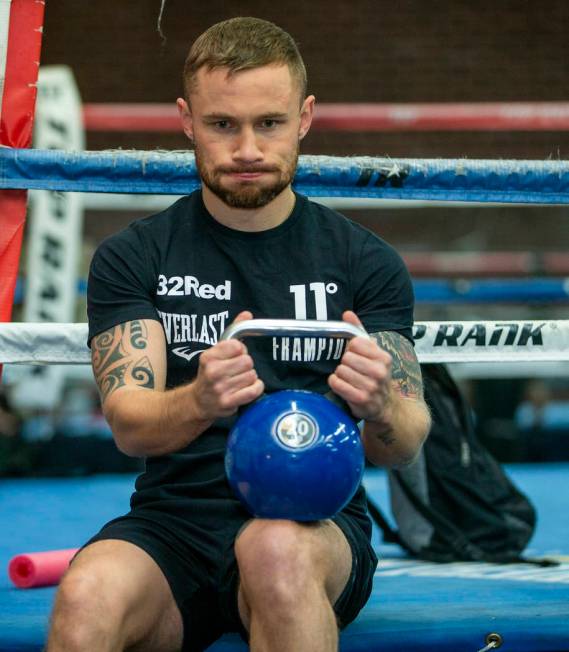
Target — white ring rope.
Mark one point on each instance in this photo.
(465, 341)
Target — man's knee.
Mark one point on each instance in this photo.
(83, 590)
(114, 592)
(84, 611)
(277, 562)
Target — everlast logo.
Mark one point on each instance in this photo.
(178, 286)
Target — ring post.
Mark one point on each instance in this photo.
(21, 24)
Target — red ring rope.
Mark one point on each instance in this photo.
(451, 264)
(520, 116)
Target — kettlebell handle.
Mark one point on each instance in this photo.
(293, 327)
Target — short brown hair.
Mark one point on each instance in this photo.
(242, 44)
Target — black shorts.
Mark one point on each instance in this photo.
(203, 576)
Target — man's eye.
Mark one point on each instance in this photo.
(222, 124)
(270, 123)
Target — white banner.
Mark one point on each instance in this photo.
(56, 218)
(54, 230)
(486, 341)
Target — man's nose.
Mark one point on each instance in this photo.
(247, 147)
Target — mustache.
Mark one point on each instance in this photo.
(246, 170)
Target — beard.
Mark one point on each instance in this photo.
(249, 195)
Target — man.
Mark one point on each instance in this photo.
(188, 562)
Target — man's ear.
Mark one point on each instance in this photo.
(306, 115)
(185, 114)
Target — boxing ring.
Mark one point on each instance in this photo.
(414, 606)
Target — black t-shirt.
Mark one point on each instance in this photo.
(184, 269)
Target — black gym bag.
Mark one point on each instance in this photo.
(455, 503)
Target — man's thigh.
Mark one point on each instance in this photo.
(122, 583)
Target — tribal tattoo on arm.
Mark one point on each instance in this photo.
(119, 360)
(405, 370)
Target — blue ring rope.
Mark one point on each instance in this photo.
(146, 172)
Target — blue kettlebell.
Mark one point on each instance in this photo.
(294, 454)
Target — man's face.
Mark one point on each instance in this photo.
(246, 129)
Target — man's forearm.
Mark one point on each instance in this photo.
(396, 439)
(147, 423)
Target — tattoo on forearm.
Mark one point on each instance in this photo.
(113, 362)
(386, 438)
(405, 370)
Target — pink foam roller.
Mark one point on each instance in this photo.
(32, 569)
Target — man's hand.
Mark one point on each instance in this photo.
(226, 379)
(384, 388)
(363, 377)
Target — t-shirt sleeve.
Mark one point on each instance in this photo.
(383, 292)
(119, 288)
